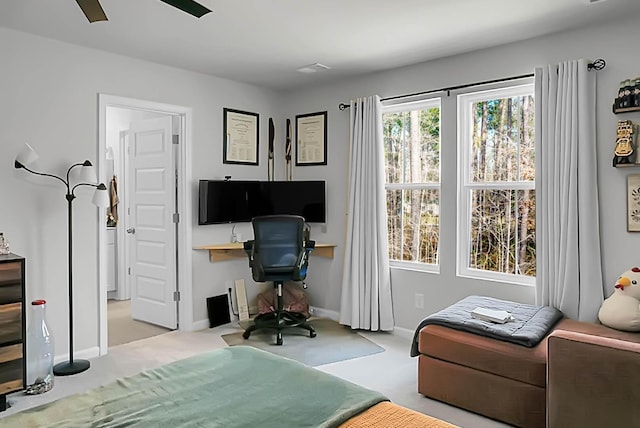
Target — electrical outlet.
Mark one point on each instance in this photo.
(419, 301)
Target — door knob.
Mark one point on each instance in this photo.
(131, 230)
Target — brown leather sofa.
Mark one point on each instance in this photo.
(593, 378)
(569, 369)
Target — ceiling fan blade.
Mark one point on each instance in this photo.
(92, 10)
(189, 6)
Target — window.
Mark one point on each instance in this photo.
(496, 185)
(411, 133)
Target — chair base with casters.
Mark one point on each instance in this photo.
(280, 319)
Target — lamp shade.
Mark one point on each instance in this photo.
(88, 174)
(27, 155)
(101, 196)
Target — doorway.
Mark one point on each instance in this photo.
(128, 127)
(123, 328)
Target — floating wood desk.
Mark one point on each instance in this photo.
(235, 250)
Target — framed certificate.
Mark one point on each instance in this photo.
(311, 139)
(240, 129)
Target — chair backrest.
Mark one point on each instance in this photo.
(278, 247)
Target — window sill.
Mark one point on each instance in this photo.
(520, 280)
(415, 267)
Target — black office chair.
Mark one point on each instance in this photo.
(279, 252)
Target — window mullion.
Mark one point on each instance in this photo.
(412, 186)
(501, 185)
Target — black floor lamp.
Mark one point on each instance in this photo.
(101, 199)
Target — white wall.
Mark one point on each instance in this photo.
(49, 98)
(616, 43)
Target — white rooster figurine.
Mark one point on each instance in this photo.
(621, 310)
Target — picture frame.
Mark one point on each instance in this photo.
(240, 137)
(633, 203)
(311, 139)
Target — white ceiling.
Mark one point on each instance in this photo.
(264, 41)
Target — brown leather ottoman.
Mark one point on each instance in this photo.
(497, 379)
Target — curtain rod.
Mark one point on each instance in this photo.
(598, 64)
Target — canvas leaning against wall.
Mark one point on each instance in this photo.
(633, 203)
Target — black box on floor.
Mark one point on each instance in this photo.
(218, 310)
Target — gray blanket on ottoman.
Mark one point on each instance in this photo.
(529, 326)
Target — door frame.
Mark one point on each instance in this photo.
(183, 243)
(123, 291)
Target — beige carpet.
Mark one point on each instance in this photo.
(333, 343)
(392, 372)
(123, 329)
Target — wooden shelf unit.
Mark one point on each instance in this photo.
(13, 362)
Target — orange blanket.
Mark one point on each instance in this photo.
(390, 415)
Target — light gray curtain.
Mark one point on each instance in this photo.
(366, 280)
(569, 273)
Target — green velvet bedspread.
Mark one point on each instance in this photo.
(231, 387)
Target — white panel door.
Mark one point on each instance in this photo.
(152, 231)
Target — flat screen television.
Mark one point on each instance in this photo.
(221, 201)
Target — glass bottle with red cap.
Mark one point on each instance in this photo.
(39, 351)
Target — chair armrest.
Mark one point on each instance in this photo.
(592, 380)
(309, 245)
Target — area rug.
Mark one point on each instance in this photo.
(333, 343)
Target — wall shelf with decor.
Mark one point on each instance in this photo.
(624, 110)
(627, 165)
(627, 101)
(625, 152)
(628, 97)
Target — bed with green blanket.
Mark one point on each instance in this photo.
(232, 387)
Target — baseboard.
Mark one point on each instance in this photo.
(335, 316)
(200, 325)
(403, 332)
(204, 324)
(84, 354)
(315, 311)
(321, 313)
(324, 313)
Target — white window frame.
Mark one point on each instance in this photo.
(465, 186)
(409, 106)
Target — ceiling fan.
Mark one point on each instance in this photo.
(94, 12)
